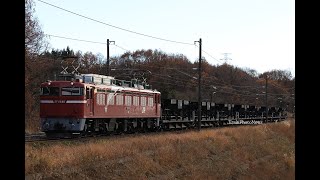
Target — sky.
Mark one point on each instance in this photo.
(256, 34)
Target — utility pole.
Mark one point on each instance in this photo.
(108, 61)
(199, 86)
(267, 98)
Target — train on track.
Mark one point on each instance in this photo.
(86, 104)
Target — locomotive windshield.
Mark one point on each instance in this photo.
(49, 91)
(72, 91)
(65, 91)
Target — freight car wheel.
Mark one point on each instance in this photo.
(130, 129)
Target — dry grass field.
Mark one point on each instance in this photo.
(245, 152)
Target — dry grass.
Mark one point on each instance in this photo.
(246, 152)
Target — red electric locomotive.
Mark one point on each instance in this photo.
(91, 104)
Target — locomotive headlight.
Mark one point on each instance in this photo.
(46, 126)
(71, 83)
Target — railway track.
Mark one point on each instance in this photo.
(81, 138)
(41, 137)
(37, 136)
(104, 136)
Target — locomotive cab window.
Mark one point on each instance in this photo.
(49, 91)
(89, 93)
(72, 91)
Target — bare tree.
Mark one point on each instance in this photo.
(34, 37)
(34, 66)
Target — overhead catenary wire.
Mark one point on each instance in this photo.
(123, 29)
(186, 83)
(122, 48)
(95, 42)
(217, 84)
(218, 60)
(75, 39)
(211, 56)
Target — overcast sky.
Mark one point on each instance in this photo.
(258, 34)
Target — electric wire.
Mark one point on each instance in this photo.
(123, 29)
